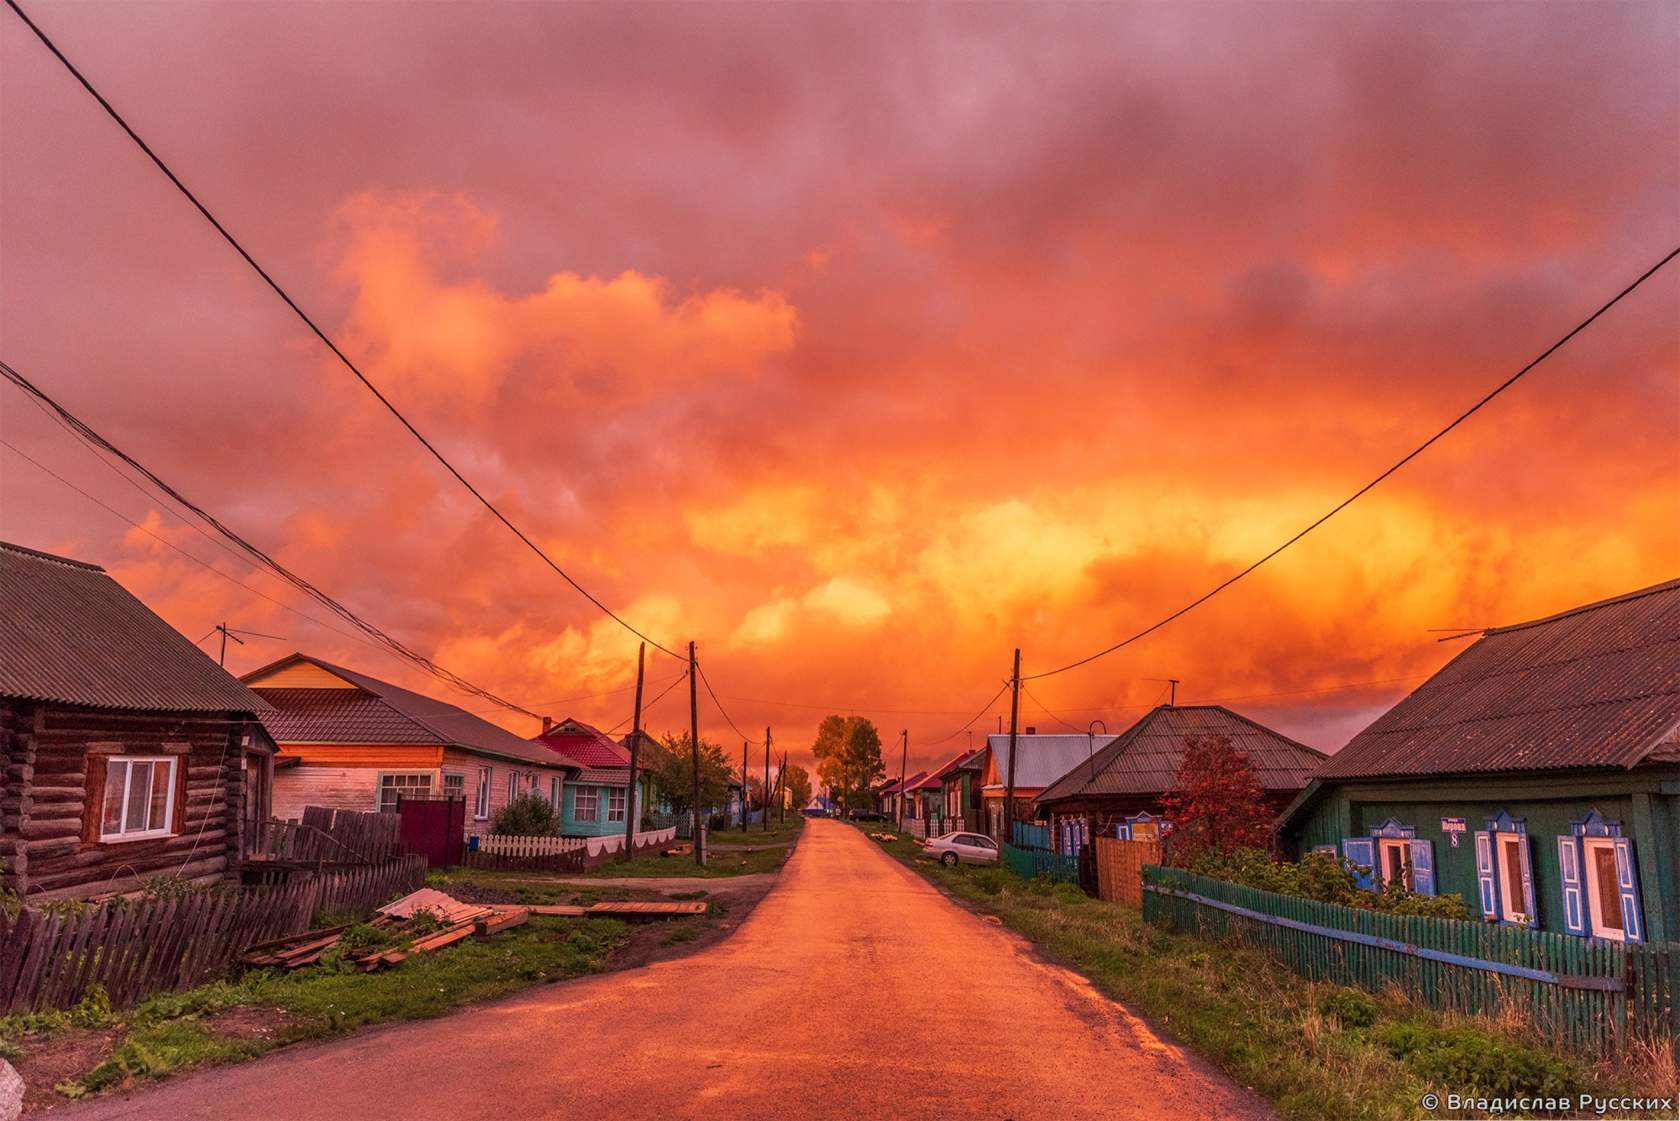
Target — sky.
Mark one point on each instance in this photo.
(861, 344)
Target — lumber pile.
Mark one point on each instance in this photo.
(885, 836)
(631, 910)
(417, 923)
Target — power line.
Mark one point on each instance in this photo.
(1051, 715)
(719, 706)
(970, 721)
(679, 679)
(259, 556)
(1356, 495)
(322, 335)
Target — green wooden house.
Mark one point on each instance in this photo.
(959, 790)
(1537, 775)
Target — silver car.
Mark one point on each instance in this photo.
(963, 848)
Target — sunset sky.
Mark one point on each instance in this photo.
(860, 344)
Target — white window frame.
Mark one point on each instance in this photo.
(615, 805)
(557, 793)
(1386, 845)
(454, 782)
(481, 795)
(128, 761)
(1510, 887)
(379, 785)
(593, 793)
(512, 785)
(1592, 888)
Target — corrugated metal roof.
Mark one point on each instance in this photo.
(908, 784)
(584, 744)
(605, 776)
(1144, 759)
(310, 716)
(1044, 758)
(1596, 686)
(69, 633)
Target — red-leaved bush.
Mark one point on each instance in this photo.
(1216, 804)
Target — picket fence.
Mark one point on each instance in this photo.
(137, 947)
(558, 854)
(1593, 996)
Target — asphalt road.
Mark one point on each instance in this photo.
(855, 990)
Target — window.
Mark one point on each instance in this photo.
(513, 785)
(586, 804)
(392, 787)
(1604, 899)
(615, 805)
(139, 798)
(481, 795)
(1511, 877)
(454, 785)
(556, 790)
(1396, 861)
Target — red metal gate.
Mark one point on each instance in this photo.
(435, 827)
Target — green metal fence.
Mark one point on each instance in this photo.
(1591, 995)
(1041, 862)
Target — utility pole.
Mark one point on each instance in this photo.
(767, 780)
(632, 812)
(903, 761)
(781, 789)
(694, 748)
(1008, 827)
(221, 659)
(743, 786)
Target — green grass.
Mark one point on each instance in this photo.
(779, 832)
(175, 1031)
(721, 862)
(1314, 1053)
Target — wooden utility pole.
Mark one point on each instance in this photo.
(781, 789)
(1008, 826)
(903, 761)
(694, 748)
(743, 786)
(632, 812)
(767, 780)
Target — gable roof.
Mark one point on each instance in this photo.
(1044, 758)
(585, 744)
(1595, 686)
(964, 760)
(376, 711)
(907, 785)
(1144, 759)
(70, 633)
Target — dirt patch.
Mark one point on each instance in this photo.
(663, 941)
(468, 891)
(49, 1060)
(264, 1025)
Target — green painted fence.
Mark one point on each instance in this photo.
(1591, 995)
(1041, 862)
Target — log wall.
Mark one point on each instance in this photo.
(47, 836)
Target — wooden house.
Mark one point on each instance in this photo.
(1537, 775)
(959, 790)
(1120, 785)
(126, 753)
(894, 798)
(348, 740)
(1042, 760)
(597, 794)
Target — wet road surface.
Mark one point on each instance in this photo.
(854, 990)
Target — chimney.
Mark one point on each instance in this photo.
(548, 725)
(1031, 731)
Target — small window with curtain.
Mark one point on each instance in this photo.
(586, 804)
(454, 785)
(139, 798)
(513, 785)
(615, 805)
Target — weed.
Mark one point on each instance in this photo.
(1351, 1008)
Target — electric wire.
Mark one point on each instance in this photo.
(648, 707)
(719, 705)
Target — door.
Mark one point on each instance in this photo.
(258, 769)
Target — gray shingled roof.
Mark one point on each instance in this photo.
(1596, 686)
(386, 713)
(69, 633)
(1044, 758)
(1144, 759)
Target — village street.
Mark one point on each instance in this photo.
(797, 1015)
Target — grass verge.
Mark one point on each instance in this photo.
(1317, 1051)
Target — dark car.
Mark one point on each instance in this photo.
(813, 811)
(867, 815)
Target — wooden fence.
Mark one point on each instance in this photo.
(499, 845)
(137, 947)
(1591, 995)
(1041, 862)
(559, 854)
(1120, 868)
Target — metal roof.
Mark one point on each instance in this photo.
(1595, 686)
(584, 744)
(1145, 758)
(906, 785)
(1044, 758)
(378, 712)
(70, 633)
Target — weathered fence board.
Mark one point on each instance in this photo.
(1591, 995)
(1120, 868)
(137, 947)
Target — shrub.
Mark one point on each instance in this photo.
(1325, 877)
(1351, 1008)
(1471, 1059)
(529, 815)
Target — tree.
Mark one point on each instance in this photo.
(671, 763)
(1216, 804)
(798, 782)
(529, 815)
(848, 751)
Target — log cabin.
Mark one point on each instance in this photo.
(126, 753)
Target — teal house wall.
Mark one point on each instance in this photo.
(570, 826)
(1645, 802)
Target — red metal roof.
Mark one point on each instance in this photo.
(585, 745)
(1595, 686)
(1144, 759)
(70, 633)
(907, 785)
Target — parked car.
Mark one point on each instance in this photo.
(962, 848)
(867, 815)
(813, 811)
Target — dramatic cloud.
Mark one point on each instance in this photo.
(861, 345)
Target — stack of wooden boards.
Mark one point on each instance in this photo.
(628, 909)
(450, 922)
(885, 836)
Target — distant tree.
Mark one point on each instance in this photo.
(755, 792)
(1216, 804)
(798, 781)
(848, 751)
(672, 765)
(529, 815)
